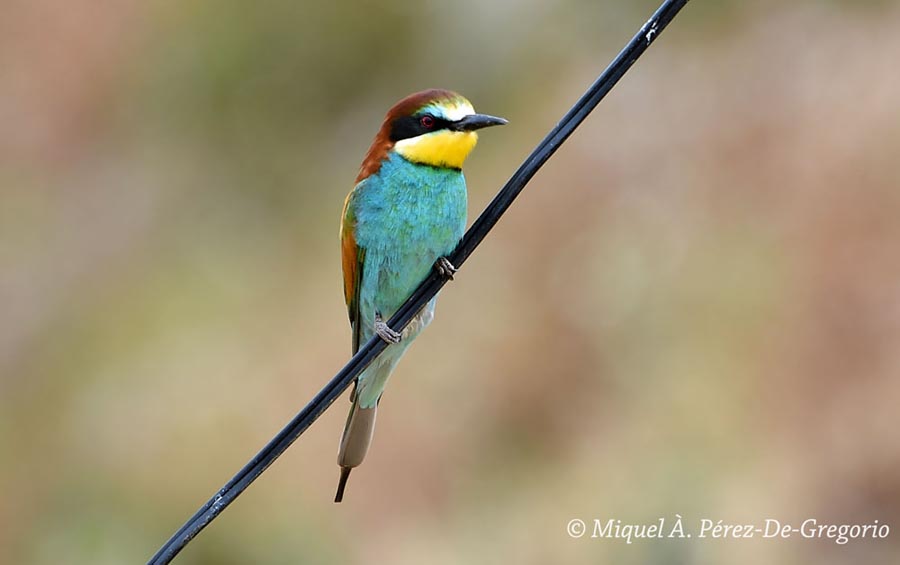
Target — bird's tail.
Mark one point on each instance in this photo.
(355, 441)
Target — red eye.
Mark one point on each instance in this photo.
(427, 122)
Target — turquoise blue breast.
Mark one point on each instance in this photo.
(407, 215)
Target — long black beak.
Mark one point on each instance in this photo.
(477, 121)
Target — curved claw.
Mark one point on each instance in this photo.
(385, 332)
(445, 268)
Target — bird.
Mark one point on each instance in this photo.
(405, 214)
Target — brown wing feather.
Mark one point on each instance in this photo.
(352, 261)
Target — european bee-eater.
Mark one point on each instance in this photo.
(406, 213)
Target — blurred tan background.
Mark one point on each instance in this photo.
(693, 308)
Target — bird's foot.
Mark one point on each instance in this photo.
(445, 268)
(384, 331)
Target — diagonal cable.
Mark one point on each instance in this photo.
(429, 287)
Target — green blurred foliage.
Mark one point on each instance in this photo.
(692, 310)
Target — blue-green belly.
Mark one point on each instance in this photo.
(407, 216)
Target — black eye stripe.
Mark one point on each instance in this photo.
(411, 126)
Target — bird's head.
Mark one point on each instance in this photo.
(433, 127)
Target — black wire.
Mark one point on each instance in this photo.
(226, 495)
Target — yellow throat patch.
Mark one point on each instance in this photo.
(443, 148)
